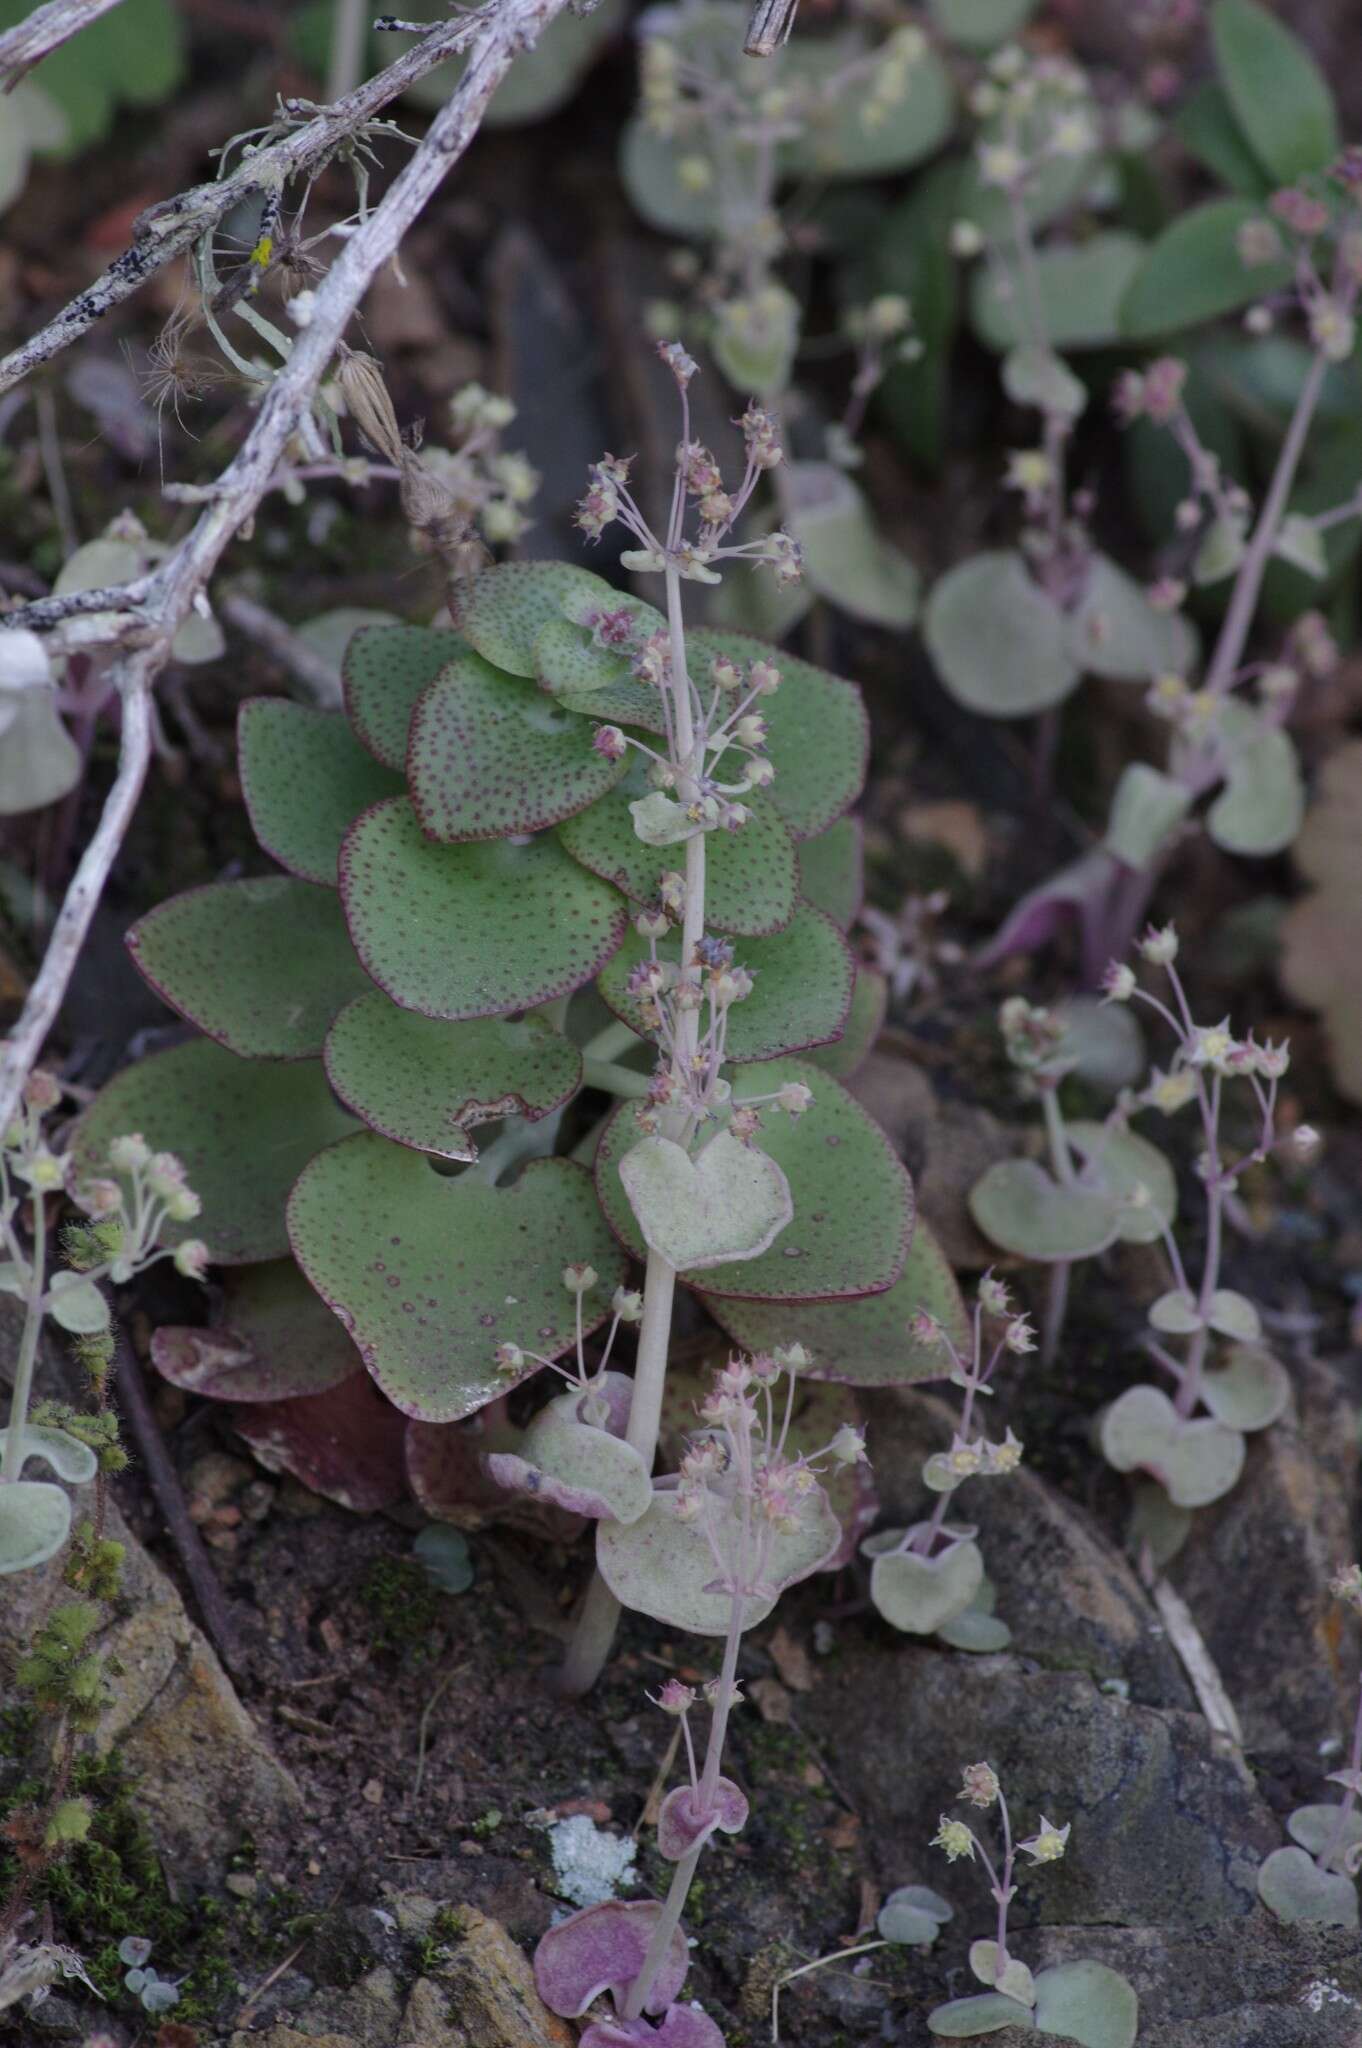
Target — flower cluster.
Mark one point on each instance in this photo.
(996, 1330)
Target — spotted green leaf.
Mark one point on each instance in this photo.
(426, 1083)
(305, 780)
(429, 1273)
(864, 1023)
(862, 1343)
(244, 1129)
(503, 613)
(472, 930)
(751, 879)
(802, 994)
(385, 670)
(262, 966)
(832, 871)
(853, 1200)
(818, 734)
(489, 754)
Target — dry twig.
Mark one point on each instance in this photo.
(45, 30)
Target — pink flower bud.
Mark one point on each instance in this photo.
(609, 742)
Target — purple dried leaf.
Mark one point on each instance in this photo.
(602, 1948)
(682, 2026)
(345, 1443)
(683, 1822)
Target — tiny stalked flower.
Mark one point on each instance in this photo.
(1163, 387)
(761, 437)
(963, 1459)
(579, 1278)
(1256, 243)
(191, 1258)
(1304, 1139)
(1030, 471)
(994, 1298)
(508, 1358)
(671, 890)
(954, 1837)
(627, 1304)
(1166, 593)
(652, 924)
(979, 1784)
(794, 1098)
(792, 1357)
(42, 1091)
(724, 673)
(759, 773)
(100, 1197)
(965, 239)
(1299, 211)
(924, 1328)
(127, 1154)
(182, 1205)
(1160, 945)
(848, 1446)
(751, 731)
(1000, 164)
(609, 742)
(1019, 1336)
(682, 366)
(674, 1697)
(1171, 1092)
(1048, 1843)
(763, 678)
(714, 1693)
(1213, 1046)
(1003, 1457)
(744, 1124)
(42, 1170)
(1118, 982)
(165, 1174)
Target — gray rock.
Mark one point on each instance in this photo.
(1069, 1596)
(1256, 1568)
(1167, 1826)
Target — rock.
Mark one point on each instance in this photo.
(1168, 1828)
(1255, 1574)
(481, 1995)
(290, 2037)
(206, 1772)
(1070, 1598)
(947, 1147)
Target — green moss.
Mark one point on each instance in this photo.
(402, 1603)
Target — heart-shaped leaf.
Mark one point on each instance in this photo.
(1292, 1885)
(818, 737)
(802, 995)
(35, 1518)
(664, 1566)
(751, 880)
(603, 1948)
(77, 1305)
(1197, 1462)
(754, 336)
(1176, 1313)
(62, 1453)
(1234, 1315)
(426, 1083)
(834, 139)
(1115, 631)
(1262, 806)
(1146, 811)
(918, 1594)
(261, 966)
(1327, 1832)
(385, 671)
(816, 1414)
(447, 1471)
(983, 1635)
(1022, 1208)
(987, 2012)
(682, 1822)
(1000, 645)
(275, 1341)
(832, 871)
(1133, 1172)
(501, 616)
(40, 763)
(474, 930)
(345, 1443)
(305, 779)
(913, 1916)
(429, 1274)
(1086, 2002)
(853, 1201)
(1036, 376)
(243, 1128)
(729, 1201)
(1006, 1973)
(862, 1343)
(489, 754)
(846, 559)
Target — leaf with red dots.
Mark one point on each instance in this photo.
(430, 1273)
(750, 875)
(385, 670)
(818, 736)
(507, 606)
(489, 754)
(853, 1200)
(474, 930)
(832, 871)
(244, 1129)
(305, 780)
(801, 993)
(261, 966)
(426, 1083)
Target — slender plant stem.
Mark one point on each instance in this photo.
(1061, 1272)
(1336, 1839)
(12, 1463)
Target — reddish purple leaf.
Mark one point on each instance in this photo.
(683, 1820)
(601, 1949)
(446, 1467)
(682, 2026)
(274, 1339)
(346, 1443)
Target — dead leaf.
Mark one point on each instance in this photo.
(953, 824)
(771, 1701)
(791, 1660)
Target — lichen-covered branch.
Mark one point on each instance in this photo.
(148, 622)
(45, 30)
